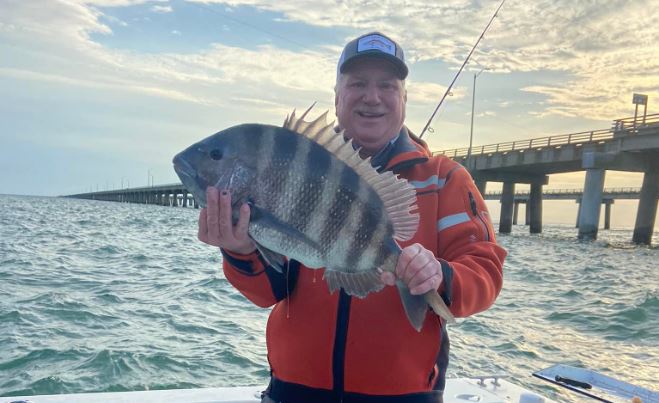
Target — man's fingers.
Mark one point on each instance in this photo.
(243, 222)
(406, 258)
(418, 269)
(226, 226)
(422, 274)
(431, 284)
(388, 278)
(212, 214)
(203, 226)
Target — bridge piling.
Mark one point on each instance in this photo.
(507, 201)
(535, 208)
(481, 184)
(590, 205)
(607, 213)
(647, 207)
(527, 214)
(516, 212)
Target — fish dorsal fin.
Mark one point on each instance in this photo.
(398, 196)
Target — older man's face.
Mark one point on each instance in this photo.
(370, 103)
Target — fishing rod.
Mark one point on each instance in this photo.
(448, 90)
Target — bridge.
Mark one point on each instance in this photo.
(609, 195)
(176, 195)
(171, 194)
(631, 144)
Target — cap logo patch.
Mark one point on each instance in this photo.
(376, 42)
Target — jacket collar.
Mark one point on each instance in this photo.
(406, 151)
(402, 152)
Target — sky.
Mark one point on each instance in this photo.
(102, 94)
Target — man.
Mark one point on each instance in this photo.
(326, 347)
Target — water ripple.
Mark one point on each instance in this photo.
(98, 296)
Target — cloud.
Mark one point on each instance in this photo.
(609, 47)
(162, 9)
(429, 93)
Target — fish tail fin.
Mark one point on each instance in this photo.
(415, 306)
(438, 305)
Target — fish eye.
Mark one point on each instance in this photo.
(216, 154)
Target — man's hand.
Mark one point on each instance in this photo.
(216, 228)
(418, 269)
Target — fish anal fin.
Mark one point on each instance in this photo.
(355, 284)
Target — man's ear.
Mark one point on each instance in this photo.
(405, 96)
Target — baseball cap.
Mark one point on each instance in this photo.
(373, 44)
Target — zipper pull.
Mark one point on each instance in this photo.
(472, 204)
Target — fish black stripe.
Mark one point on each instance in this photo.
(317, 164)
(255, 137)
(341, 204)
(284, 145)
(252, 134)
(368, 226)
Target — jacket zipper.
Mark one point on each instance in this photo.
(474, 210)
(340, 337)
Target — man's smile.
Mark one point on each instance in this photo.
(370, 115)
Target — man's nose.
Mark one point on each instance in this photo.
(372, 95)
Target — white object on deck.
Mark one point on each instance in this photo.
(484, 389)
(595, 385)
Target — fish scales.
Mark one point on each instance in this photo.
(350, 196)
(314, 200)
(281, 159)
(338, 206)
(296, 176)
(370, 234)
(308, 209)
(264, 167)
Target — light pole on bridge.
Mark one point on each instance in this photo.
(471, 132)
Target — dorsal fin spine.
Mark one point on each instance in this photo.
(398, 197)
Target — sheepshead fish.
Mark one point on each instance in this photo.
(312, 199)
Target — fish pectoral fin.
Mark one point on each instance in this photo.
(277, 232)
(415, 306)
(275, 260)
(355, 284)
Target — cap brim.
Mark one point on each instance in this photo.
(399, 66)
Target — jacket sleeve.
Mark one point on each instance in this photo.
(258, 282)
(472, 262)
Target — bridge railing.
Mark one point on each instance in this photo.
(638, 123)
(623, 190)
(625, 127)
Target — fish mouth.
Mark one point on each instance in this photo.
(182, 167)
(190, 179)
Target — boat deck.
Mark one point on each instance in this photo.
(459, 390)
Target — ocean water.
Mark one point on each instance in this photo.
(98, 296)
